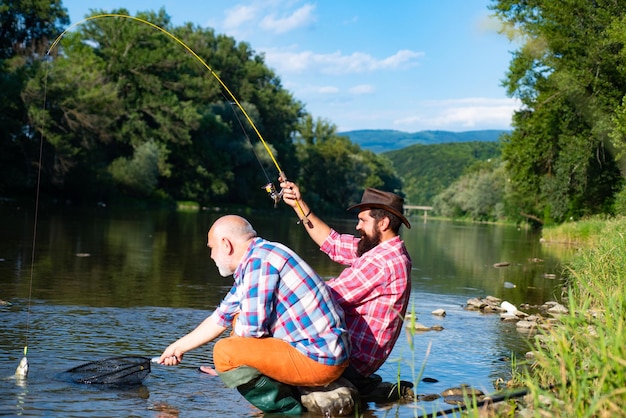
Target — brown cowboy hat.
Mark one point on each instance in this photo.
(374, 198)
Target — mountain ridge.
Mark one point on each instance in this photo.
(384, 140)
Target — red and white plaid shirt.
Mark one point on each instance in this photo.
(374, 293)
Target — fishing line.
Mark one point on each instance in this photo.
(281, 174)
(269, 187)
(35, 221)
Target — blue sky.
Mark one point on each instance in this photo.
(408, 65)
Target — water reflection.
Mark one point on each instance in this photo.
(109, 283)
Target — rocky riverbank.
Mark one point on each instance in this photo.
(533, 320)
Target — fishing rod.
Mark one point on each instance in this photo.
(269, 187)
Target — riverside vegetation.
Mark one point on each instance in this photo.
(579, 366)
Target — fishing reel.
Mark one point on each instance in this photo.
(271, 190)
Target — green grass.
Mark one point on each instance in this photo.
(583, 232)
(581, 364)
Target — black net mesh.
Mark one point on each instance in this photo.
(124, 370)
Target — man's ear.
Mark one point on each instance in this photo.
(383, 224)
(228, 246)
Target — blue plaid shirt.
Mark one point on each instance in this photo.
(277, 294)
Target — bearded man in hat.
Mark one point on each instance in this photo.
(373, 290)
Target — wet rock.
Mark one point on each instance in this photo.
(428, 397)
(558, 309)
(439, 312)
(493, 299)
(463, 390)
(422, 328)
(476, 303)
(335, 399)
(502, 264)
(418, 327)
(429, 380)
(458, 395)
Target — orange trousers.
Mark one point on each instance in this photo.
(274, 358)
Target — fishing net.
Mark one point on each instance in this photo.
(124, 370)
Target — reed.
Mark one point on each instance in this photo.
(580, 367)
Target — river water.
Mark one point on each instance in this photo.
(107, 283)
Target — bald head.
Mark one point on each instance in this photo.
(232, 227)
(228, 240)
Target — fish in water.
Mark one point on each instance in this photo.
(22, 369)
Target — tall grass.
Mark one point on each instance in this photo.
(583, 232)
(580, 369)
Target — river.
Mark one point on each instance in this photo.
(108, 282)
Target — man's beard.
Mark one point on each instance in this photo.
(368, 242)
(222, 267)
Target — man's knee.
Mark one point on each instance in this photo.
(222, 355)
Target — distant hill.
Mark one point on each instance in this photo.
(384, 140)
(426, 171)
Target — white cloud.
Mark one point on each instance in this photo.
(299, 18)
(362, 89)
(327, 90)
(238, 16)
(286, 61)
(469, 113)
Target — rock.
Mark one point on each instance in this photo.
(527, 325)
(439, 312)
(476, 303)
(502, 264)
(508, 307)
(428, 397)
(462, 390)
(558, 309)
(335, 399)
(493, 300)
(418, 327)
(409, 316)
(421, 327)
(458, 395)
(505, 316)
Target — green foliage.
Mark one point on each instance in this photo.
(582, 358)
(427, 171)
(477, 195)
(334, 171)
(569, 74)
(25, 28)
(117, 91)
(139, 175)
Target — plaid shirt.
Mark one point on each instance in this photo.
(277, 294)
(374, 293)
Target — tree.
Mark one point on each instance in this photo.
(561, 155)
(26, 26)
(334, 171)
(478, 194)
(117, 87)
